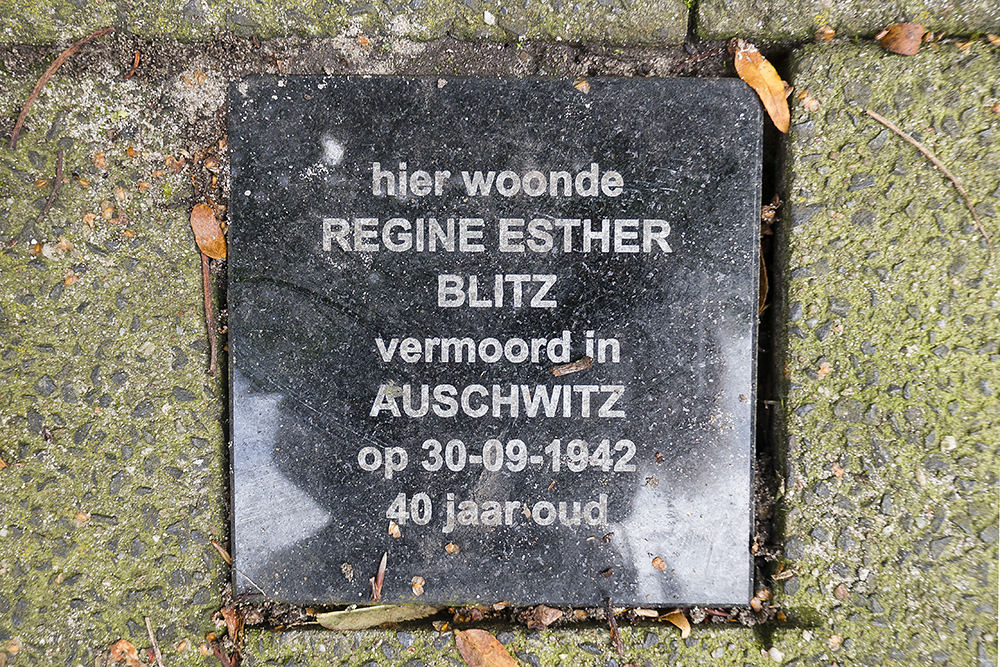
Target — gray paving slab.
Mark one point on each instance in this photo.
(632, 21)
(798, 20)
(891, 406)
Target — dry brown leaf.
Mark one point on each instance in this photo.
(660, 564)
(680, 620)
(452, 548)
(542, 617)
(417, 584)
(582, 85)
(208, 232)
(222, 552)
(825, 34)
(902, 38)
(234, 623)
(394, 530)
(760, 75)
(481, 649)
(123, 650)
(993, 39)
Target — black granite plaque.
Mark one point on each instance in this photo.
(502, 330)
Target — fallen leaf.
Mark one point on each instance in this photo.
(80, 519)
(222, 552)
(363, 618)
(680, 620)
(542, 617)
(582, 85)
(123, 650)
(645, 613)
(660, 564)
(234, 623)
(825, 34)
(993, 39)
(394, 530)
(100, 162)
(808, 101)
(417, 585)
(481, 649)
(452, 548)
(3, 464)
(760, 75)
(208, 232)
(379, 578)
(902, 38)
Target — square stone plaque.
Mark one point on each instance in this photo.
(501, 330)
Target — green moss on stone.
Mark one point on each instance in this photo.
(798, 20)
(110, 426)
(891, 360)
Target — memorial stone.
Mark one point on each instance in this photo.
(502, 331)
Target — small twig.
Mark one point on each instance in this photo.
(135, 65)
(224, 555)
(226, 660)
(616, 637)
(944, 170)
(254, 583)
(379, 578)
(209, 315)
(765, 286)
(717, 612)
(156, 647)
(581, 364)
(44, 79)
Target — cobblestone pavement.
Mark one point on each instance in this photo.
(886, 302)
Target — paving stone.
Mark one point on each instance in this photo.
(776, 20)
(107, 506)
(632, 21)
(914, 541)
